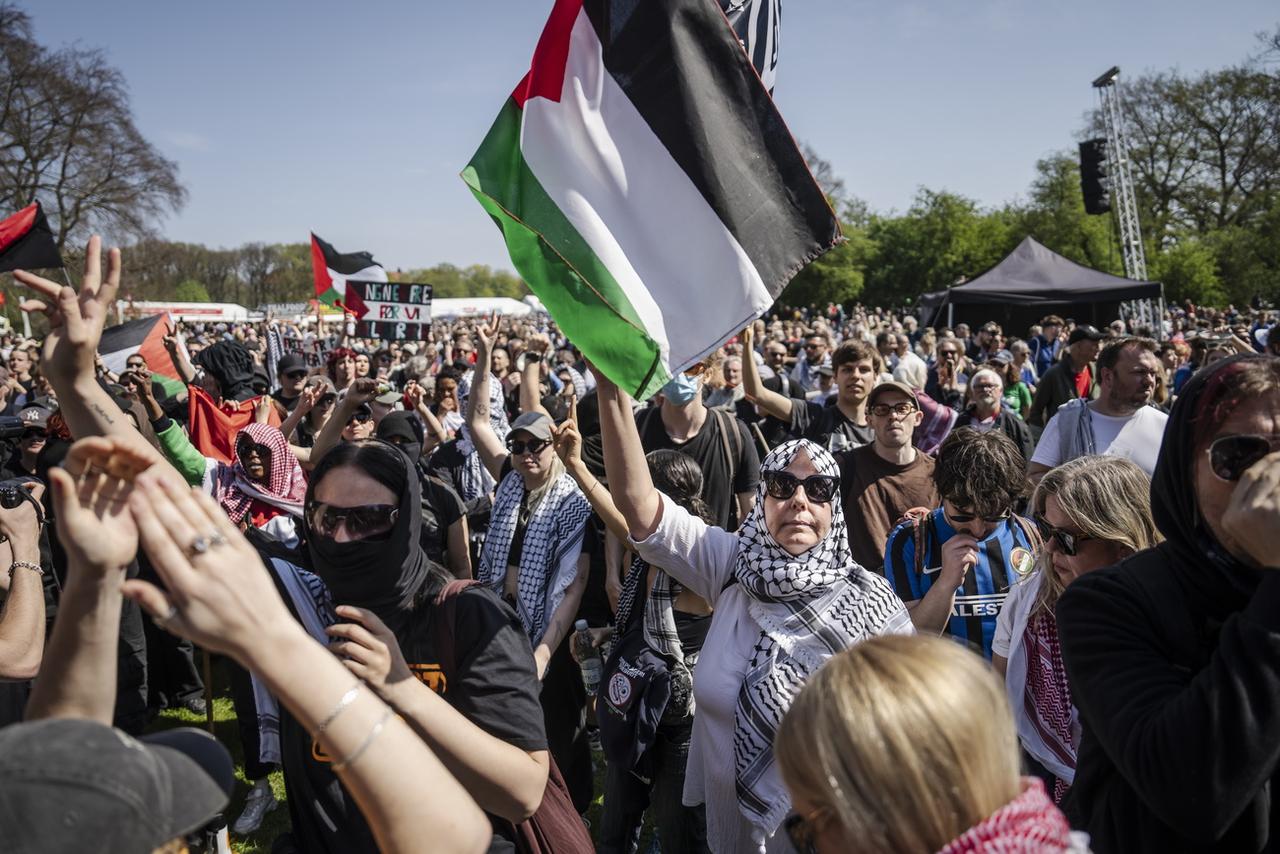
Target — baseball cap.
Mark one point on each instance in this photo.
(1001, 356)
(824, 370)
(1084, 332)
(893, 385)
(35, 416)
(65, 782)
(535, 424)
(290, 362)
(389, 398)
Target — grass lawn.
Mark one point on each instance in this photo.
(277, 821)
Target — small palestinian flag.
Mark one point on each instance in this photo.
(332, 270)
(648, 190)
(144, 337)
(26, 241)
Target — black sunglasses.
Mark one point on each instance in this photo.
(531, 446)
(1066, 540)
(801, 833)
(1232, 456)
(296, 375)
(360, 418)
(965, 518)
(819, 488)
(366, 522)
(245, 447)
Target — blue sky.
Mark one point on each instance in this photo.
(354, 119)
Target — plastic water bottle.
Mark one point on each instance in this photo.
(588, 657)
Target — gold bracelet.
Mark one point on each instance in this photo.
(373, 733)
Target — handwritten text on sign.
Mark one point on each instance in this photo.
(390, 310)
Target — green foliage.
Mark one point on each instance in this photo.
(1189, 270)
(1054, 215)
(478, 280)
(190, 291)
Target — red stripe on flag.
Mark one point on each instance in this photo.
(319, 268)
(546, 73)
(19, 224)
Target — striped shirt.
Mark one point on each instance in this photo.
(979, 600)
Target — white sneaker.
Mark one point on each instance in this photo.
(261, 801)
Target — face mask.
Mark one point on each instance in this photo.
(681, 389)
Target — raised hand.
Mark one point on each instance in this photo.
(568, 442)
(360, 391)
(487, 333)
(75, 320)
(415, 393)
(262, 409)
(217, 590)
(90, 497)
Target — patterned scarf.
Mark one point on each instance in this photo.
(476, 480)
(1047, 699)
(555, 528)
(659, 614)
(810, 607)
(1028, 824)
(286, 485)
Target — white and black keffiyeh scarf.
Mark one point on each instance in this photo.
(659, 613)
(476, 480)
(555, 528)
(810, 607)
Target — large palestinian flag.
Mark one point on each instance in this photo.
(648, 190)
(26, 241)
(332, 269)
(144, 336)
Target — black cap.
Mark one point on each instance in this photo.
(290, 362)
(68, 783)
(1084, 332)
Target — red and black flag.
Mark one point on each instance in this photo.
(332, 269)
(26, 241)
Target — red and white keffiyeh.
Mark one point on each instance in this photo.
(286, 486)
(1028, 824)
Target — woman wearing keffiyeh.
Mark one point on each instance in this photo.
(787, 596)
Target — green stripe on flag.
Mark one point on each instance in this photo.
(171, 387)
(560, 268)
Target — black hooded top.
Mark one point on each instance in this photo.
(232, 366)
(1173, 657)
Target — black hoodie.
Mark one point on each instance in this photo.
(1174, 662)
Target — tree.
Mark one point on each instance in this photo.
(1189, 271)
(1054, 215)
(67, 138)
(190, 291)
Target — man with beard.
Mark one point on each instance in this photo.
(842, 425)
(1119, 422)
(985, 410)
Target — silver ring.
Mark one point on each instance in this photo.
(216, 539)
(200, 545)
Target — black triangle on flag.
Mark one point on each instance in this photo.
(26, 241)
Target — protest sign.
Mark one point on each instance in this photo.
(393, 311)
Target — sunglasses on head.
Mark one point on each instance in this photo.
(530, 446)
(1232, 456)
(366, 522)
(819, 488)
(965, 518)
(1067, 541)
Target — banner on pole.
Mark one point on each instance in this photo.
(392, 311)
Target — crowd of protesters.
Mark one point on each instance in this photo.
(850, 583)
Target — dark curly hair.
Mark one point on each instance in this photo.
(980, 471)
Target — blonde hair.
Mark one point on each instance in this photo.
(1106, 498)
(906, 742)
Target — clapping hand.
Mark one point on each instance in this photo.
(90, 495)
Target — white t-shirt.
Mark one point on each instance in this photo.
(1135, 437)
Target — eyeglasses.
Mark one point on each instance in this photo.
(882, 410)
(296, 375)
(1232, 456)
(819, 488)
(360, 418)
(802, 832)
(965, 518)
(363, 523)
(1066, 540)
(532, 446)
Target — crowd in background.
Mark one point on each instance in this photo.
(447, 578)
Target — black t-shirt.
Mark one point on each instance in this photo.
(495, 686)
(441, 507)
(828, 426)
(720, 482)
(289, 403)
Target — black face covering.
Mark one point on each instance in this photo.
(1173, 496)
(231, 365)
(384, 575)
(404, 427)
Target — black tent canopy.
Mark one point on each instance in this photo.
(1032, 281)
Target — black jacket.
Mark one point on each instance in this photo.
(1056, 387)
(1173, 658)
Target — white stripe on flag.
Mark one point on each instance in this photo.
(686, 275)
(373, 273)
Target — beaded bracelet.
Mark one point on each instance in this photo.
(346, 700)
(26, 564)
(373, 733)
